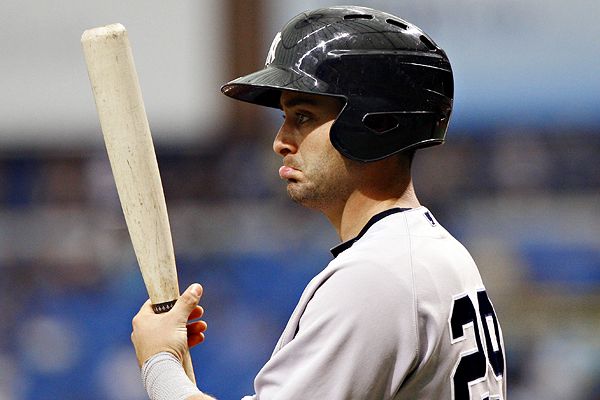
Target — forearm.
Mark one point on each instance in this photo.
(164, 378)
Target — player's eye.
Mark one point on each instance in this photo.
(301, 118)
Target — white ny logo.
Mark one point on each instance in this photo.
(271, 55)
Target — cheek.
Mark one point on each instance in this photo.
(318, 143)
(330, 166)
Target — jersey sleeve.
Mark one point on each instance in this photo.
(356, 339)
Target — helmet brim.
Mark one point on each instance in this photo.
(264, 87)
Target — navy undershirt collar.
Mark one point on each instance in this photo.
(337, 250)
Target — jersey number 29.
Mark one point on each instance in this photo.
(472, 366)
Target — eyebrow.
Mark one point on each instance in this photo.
(298, 100)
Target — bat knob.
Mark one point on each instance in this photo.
(160, 308)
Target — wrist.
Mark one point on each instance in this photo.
(164, 378)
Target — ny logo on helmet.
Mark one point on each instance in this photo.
(271, 55)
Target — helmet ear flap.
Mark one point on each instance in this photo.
(381, 123)
(378, 135)
(398, 121)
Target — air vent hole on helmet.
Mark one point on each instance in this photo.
(358, 16)
(380, 123)
(397, 23)
(428, 42)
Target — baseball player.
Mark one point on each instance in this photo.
(401, 311)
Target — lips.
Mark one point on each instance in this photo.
(288, 173)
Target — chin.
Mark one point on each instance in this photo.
(304, 197)
(296, 193)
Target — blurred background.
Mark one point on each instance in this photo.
(518, 182)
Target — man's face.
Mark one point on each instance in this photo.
(316, 173)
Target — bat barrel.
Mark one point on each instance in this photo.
(131, 153)
(132, 158)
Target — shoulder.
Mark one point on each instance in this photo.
(361, 290)
(376, 268)
(363, 278)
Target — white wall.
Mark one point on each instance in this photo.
(45, 95)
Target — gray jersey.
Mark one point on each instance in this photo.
(400, 313)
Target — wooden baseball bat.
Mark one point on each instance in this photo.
(131, 153)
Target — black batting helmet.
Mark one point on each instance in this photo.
(396, 82)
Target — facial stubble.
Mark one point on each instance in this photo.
(325, 183)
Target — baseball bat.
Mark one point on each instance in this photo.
(130, 149)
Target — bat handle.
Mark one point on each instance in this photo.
(188, 367)
(187, 359)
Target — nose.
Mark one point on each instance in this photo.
(283, 144)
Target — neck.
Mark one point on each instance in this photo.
(353, 214)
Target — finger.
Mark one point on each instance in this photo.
(146, 308)
(196, 313)
(196, 327)
(195, 339)
(187, 302)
